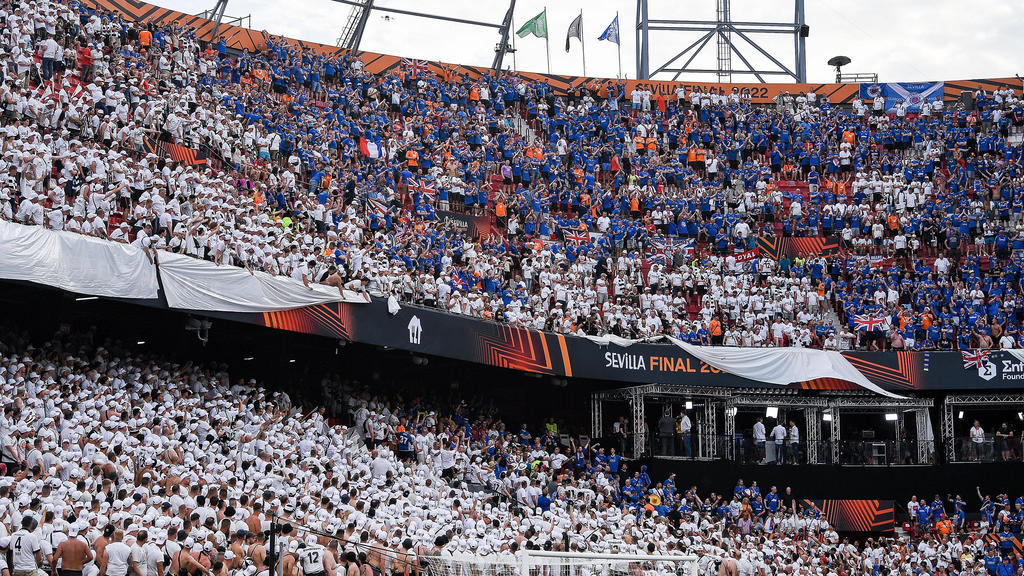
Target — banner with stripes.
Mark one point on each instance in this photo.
(176, 152)
(183, 155)
(776, 247)
(855, 515)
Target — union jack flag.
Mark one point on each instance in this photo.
(975, 358)
(415, 66)
(575, 236)
(655, 257)
(669, 246)
(377, 206)
(457, 282)
(427, 190)
(868, 322)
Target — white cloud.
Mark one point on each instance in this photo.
(904, 40)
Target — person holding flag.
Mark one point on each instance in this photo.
(538, 26)
(611, 34)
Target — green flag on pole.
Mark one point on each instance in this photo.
(538, 26)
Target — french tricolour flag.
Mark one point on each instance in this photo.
(368, 148)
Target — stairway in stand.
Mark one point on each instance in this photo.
(523, 128)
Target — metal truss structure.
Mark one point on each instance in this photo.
(954, 401)
(352, 35)
(811, 406)
(728, 401)
(870, 404)
(637, 396)
(728, 35)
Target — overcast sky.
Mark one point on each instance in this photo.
(900, 40)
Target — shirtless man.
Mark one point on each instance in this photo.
(331, 558)
(729, 567)
(289, 563)
(188, 563)
(258, 552)
(334, 279)
(237, 549)
(100, 544)
(352, 564)
(253, 521)
(374, 557)
(71, 555)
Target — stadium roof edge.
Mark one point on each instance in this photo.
(240, 38)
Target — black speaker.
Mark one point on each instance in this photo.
(805, 31)
(967, 99)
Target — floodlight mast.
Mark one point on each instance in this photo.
(728, 35)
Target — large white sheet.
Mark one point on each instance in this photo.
(74, 262)
(617, 340)
(781, 365)
(194, 284)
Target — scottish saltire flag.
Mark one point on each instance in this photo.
(913, 94)
(611, 33)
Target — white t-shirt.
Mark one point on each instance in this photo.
(446, 458)
(24, 546)
(138, 554)
(312, 559)
(117, 558)
(154, 555)
(977, 436)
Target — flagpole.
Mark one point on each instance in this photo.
(618, 45)
(583, 44)
(547, 39)
(512, 26)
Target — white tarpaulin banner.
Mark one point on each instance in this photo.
(194, 284)
(617, 340)
(74, 262)
(781, 365)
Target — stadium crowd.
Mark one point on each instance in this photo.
(118, 462)
(612, 213)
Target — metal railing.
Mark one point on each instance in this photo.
(886, 453)
(745, 451)
(988, 449)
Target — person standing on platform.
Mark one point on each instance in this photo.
(779, 437)
(666, 434)
(685, 426)
(759, 439)
(794, 442)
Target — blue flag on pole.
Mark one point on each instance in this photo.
(611, 33)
